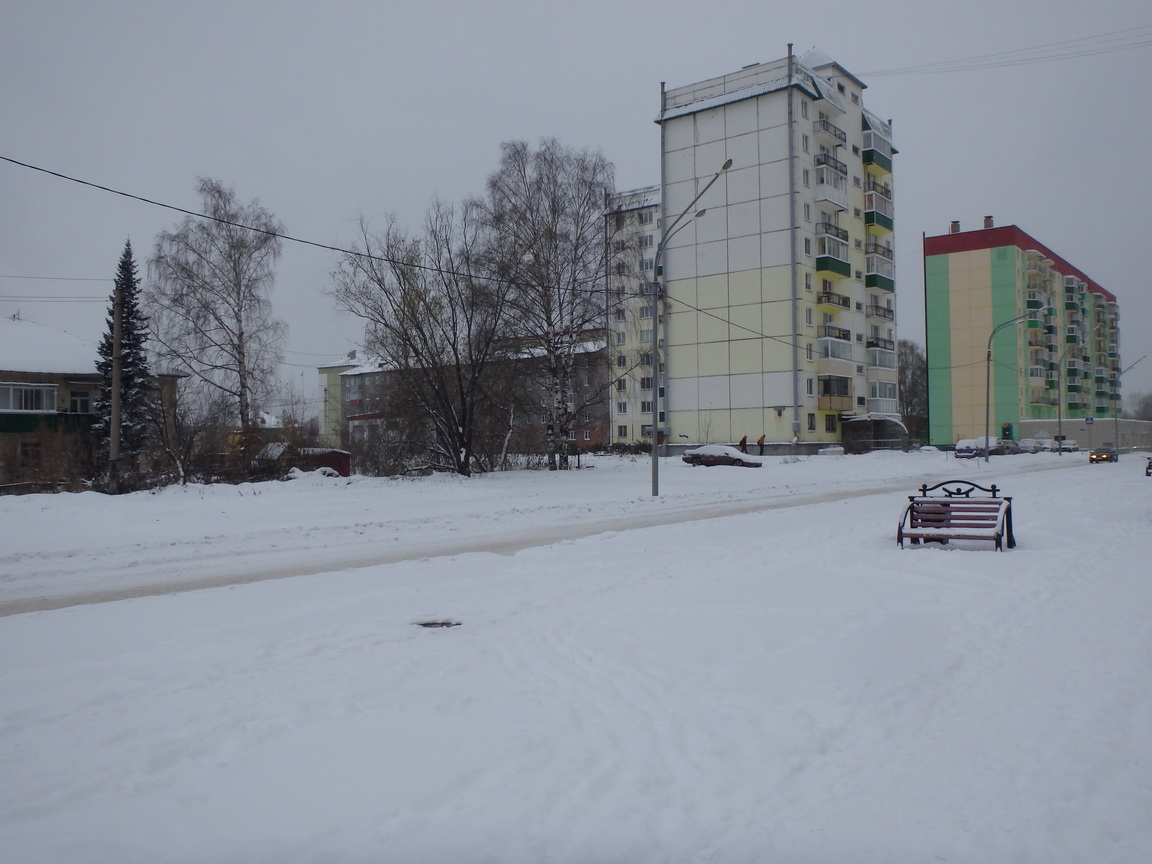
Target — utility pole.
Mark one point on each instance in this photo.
(114, 419)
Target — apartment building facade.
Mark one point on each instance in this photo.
(1055, 370)
(778, 314)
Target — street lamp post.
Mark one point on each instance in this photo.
(657, 296)
(988, 376)
(1116, 413)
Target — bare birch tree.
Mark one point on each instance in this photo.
(546, 210)
(437, 323)
(209, 301)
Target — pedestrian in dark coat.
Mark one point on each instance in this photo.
(744, 444)
(760, 442)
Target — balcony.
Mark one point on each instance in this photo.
(827, 160)
(882, 189)
(883, 406)
(834, 403)
(832, 188)
(822, 128)
(878, 213)
(874, 311)
(879, 272)
(831, 298)
(828, 264)
(873, 248)
(877, 154)
(831, 332)
(831, 229)
(879, 342)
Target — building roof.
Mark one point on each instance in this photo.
(750, 82)
(1009, 235)
(29, 347)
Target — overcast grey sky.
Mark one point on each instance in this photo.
(329, 111)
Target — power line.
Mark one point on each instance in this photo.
(351, 252)
(59, 278)
(1084, 46)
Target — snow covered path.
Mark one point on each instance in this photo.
(201, 537)
(781, 685)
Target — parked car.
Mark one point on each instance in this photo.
(1102, 454)
(1032, 445)
(1069, 446)
(1007, 447)
(966, 448)
(720, 454)
(1148, 468)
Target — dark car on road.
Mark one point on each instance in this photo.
(720, 454)
(1102, 454)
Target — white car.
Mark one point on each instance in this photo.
(720, 454)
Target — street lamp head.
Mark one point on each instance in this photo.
(699, 213)
(727, 164)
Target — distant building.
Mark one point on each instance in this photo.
(634, 218)
(1056, 371)
(48, 386)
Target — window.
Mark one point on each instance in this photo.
(647, 264)
(811, 422)
(621, 315)
(646, 430)
(646, 335)
(856, 182)
(807, 245)
(829, 422)
(807, 212)
(646, 359)
(621, 384)
(855, 98)
(804, 143)
(621, 361)
(646, 383)
(803, 109)
(645, 217)
(810, 387)
(646, 311)
(808, 352)
(29, 454)
(621, 407)
(647, 241)
(808, 316)
(807, 281)
(807, 177)
(28, 397)
(621, 431)
(79, 402)
(645, 406)
(587, 435)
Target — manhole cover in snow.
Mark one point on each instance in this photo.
(437, 623)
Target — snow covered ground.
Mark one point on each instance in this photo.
(744, 669)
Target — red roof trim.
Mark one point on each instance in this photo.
(994, 238)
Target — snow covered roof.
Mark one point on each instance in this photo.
(803, 76)
(29, 347)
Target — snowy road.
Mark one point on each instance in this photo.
(204, 551)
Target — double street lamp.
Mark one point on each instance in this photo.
(657, 295)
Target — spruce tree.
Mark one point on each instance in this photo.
(136, 384)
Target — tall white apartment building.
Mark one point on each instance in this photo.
(779, 310)
(634, 230)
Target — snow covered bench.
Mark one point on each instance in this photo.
(957, 512)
